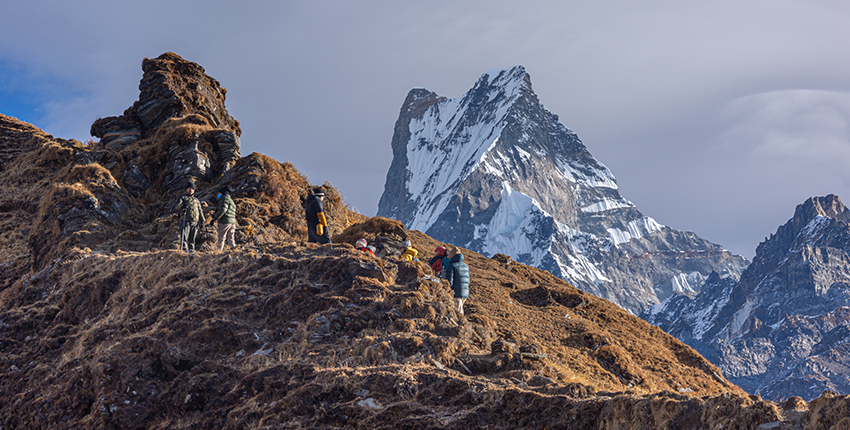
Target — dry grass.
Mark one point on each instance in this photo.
(370, 228)
(91, 174)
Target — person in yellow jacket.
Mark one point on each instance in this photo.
(317, 224)
(410, 252)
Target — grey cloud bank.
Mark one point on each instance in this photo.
(715, 118)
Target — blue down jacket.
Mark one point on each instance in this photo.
(457, 272)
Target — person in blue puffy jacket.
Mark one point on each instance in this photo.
(457, 272)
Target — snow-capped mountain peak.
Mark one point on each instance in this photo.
(496, 172)
(457, 135)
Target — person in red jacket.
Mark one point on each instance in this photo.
(362, 245)
(436, 261)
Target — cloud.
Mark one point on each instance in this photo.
(800, 126)
(685, 102)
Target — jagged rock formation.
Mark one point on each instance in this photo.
(784, 329)
(175, 88)
(497, 172)
(101, 327)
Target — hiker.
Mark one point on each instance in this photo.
(436, 262)
(317, 224)
(362, 245)
(191, 217)
(410, 252)
(457, 272)
(225, 215)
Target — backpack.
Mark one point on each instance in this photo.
(436, 263)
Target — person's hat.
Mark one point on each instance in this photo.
(441, 250)
(406, 244)
(225, 189)
(191, 185)
(318, 192)
(453, 251)
(361, 243)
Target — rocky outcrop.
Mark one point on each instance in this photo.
(497, 172)
(784, 328)
(117, 132)
(173, 88)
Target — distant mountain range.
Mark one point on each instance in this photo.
(784, 328)
(496, 172)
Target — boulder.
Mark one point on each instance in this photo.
(185, 163)
(228, 147)
(116, 132)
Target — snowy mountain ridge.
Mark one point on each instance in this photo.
(784, 328)
(496, 172)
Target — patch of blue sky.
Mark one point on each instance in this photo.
(24, 91)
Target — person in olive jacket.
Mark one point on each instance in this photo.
(191, 218)
(457, 272)
(225, 215)
(317, 224)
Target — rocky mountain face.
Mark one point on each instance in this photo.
(497, 172)
(784, 328)
(104, 324)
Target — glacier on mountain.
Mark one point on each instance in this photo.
(513, 226)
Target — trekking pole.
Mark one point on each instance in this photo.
(180, 236)
(181, 230)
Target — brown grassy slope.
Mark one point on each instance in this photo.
(30, 159)
(308, 337)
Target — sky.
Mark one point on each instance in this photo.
(715, 117)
